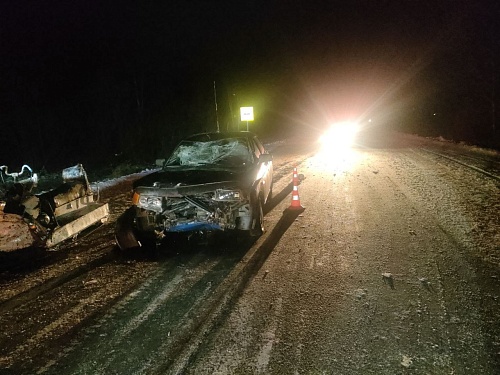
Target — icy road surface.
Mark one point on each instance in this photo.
(392, 268)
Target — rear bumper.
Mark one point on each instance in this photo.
(77, 221)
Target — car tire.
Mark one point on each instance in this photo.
(269, 200)
(257, 219)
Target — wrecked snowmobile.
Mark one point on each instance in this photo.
(212, 182)
(45, 219)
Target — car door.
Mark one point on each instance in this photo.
(265, 167)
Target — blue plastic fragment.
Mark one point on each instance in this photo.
(191, 227)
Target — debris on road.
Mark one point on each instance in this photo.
(47, 218)
(388, 279)
(406, 362)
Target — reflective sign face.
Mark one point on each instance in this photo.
(246, 113)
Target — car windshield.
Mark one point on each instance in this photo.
(231, 152)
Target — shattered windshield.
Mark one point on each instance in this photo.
(231, 152)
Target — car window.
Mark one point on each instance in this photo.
(224, 152)
(255, 148)
(259, 145)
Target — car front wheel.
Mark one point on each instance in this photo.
(257, 219)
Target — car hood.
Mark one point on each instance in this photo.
(180, 176)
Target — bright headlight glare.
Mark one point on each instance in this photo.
(340, 135)
(227, 195)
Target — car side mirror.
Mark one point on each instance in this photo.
(264, 158)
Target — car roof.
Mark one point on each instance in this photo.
(213, 136)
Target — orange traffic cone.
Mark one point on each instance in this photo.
(295, 205)
(296, 180)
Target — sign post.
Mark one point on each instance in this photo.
(246, 114)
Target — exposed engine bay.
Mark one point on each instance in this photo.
(166, 210)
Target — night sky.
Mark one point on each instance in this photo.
(101, 82)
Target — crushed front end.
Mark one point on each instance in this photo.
(197, 208)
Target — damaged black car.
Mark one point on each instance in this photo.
(211, 182)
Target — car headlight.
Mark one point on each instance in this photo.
(227, 195)
(340, 136)
(147, 202)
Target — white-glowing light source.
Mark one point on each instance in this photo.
(336, 154)
(340, 135)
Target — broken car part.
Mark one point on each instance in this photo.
(48, 218)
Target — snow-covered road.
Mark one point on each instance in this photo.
(393, 267)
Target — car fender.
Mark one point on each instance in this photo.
(124, 230)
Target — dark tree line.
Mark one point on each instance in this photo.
(113, 82)
(456, 93)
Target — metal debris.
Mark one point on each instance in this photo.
(388, 279)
